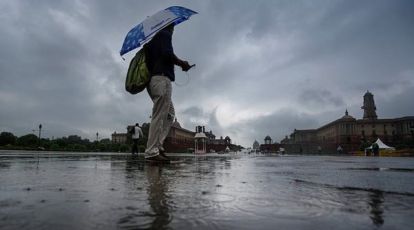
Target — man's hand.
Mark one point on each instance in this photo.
(185, 66)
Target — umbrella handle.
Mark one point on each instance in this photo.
(191, 66)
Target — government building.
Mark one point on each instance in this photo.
(181, 140)
(351, 134)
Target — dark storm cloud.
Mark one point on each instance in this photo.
(263, 67)
(319, 98)
(402, 102)
(193, 112)
(53, 74)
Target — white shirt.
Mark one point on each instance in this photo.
(138, 133)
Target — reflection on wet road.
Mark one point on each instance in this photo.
(235, 191)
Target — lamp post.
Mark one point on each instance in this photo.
(40, 131)
(97, 136)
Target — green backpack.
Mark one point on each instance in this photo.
(138, 75)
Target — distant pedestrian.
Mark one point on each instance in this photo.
(339, 150)
(137, 133)
(375, 149)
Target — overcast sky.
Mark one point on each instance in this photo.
(263, 67)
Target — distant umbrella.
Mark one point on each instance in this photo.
(144, 31)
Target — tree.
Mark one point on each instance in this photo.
(28, 140)
(364, 145)
(74, 139)
(105, 141)
(7, 138)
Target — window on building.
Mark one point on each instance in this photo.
(362, 133)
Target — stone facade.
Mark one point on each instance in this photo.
(351, 133)
(369, 107)
(120, 138)
(182, 140)
(179, 139)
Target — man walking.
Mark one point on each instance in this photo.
(135, 137)
(160, 62)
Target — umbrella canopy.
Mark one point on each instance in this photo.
(144, 31)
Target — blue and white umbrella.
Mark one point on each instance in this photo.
(144, 31)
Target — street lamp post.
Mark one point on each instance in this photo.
(40, 131)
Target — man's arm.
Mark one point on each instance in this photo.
(183, 64)
(168, 52)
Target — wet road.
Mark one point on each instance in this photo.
(235, 191)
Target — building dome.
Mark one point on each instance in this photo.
(268, 140)
(176, 124)
(347, 116)
(256, 144)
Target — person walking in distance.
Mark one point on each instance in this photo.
(161, 59)
(137, 133)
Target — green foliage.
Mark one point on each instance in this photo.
(74, 139)
(71, 143)
(123, 148)
(105, 141)
(364, 145)
(141, 148)
(7, 138)
(29, 140)
(76, 148)
(54, 147)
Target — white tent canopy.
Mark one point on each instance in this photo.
(381, 145)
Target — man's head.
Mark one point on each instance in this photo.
(136, 124)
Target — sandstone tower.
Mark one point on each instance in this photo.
(369, 107)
